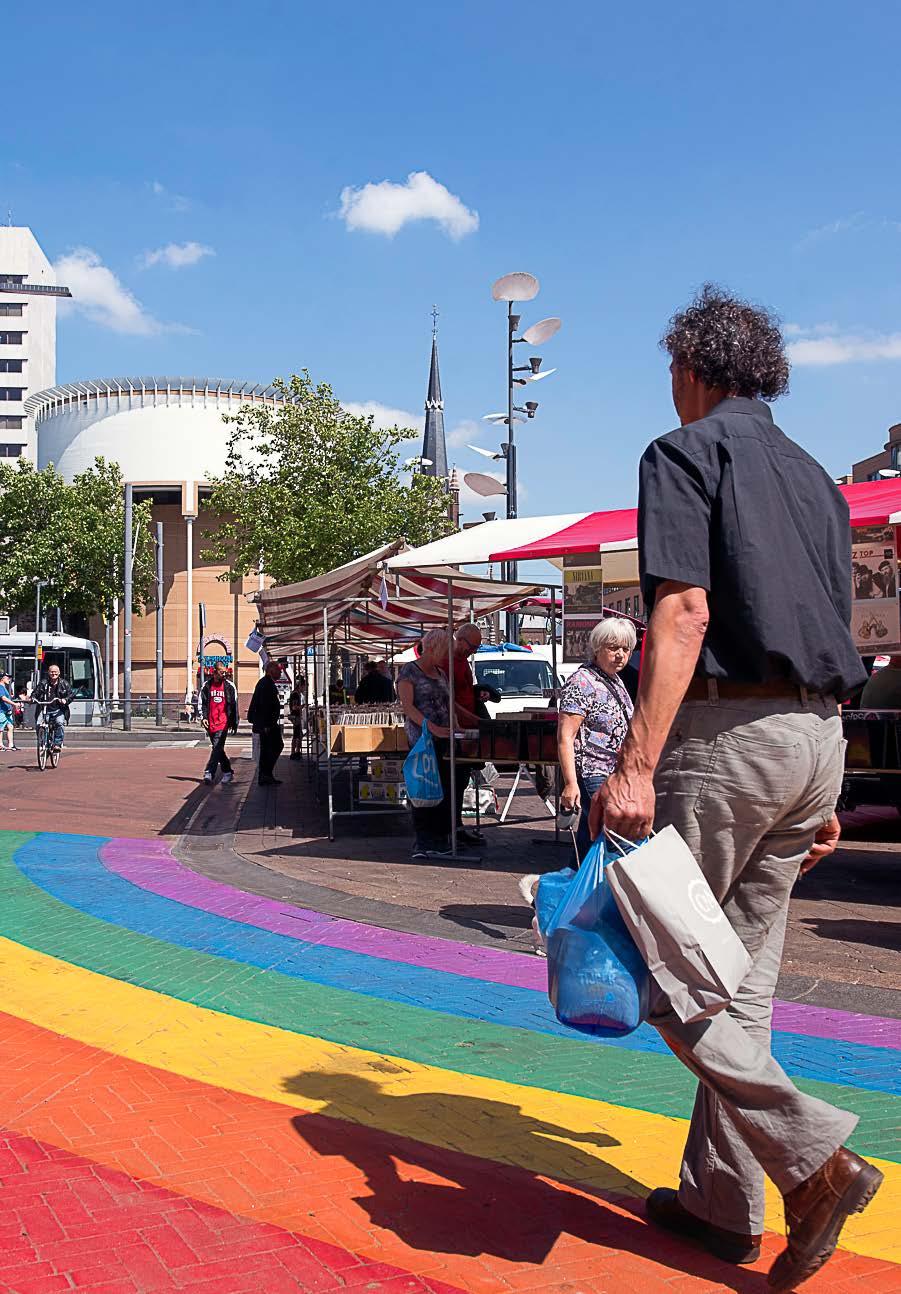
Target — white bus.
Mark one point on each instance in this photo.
(79, 662)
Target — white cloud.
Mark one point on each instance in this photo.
(820, 348)
(383, 414)
(174, 201)
(464, 433)
(176, 255)
(857, 220)
(386, 207)
(98, 294)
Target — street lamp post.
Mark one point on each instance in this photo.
(513, 288)
(38, 585)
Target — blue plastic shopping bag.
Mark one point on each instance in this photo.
(597, 980)
(421, 778)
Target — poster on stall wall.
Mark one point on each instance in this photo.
(575, 639)
(875, 611)
(583, 585)
(583, 603)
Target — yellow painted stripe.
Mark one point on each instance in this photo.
(604, 1146)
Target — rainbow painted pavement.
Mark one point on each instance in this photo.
(205, 1089)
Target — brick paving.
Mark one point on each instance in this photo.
(252, 1059)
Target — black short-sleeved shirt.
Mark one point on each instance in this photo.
(733, 506)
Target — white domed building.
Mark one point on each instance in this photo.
(167, 434)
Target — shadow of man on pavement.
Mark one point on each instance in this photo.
(450, 1200)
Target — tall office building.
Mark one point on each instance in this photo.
(28, 294)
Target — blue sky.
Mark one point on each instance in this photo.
(199, 152)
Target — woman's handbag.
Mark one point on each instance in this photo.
(690, 948)
(597, 980)
(421, 777)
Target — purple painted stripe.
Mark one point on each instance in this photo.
(150, 865)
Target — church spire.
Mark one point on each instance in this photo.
(433, 443)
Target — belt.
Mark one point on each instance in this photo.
(700, 689)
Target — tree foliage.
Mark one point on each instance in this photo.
(308, 486)
(71, 536)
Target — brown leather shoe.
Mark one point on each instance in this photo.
(815, 1213)
(663, 1207)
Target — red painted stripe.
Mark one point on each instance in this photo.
(69, 1222)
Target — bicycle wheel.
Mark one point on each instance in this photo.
(54, 750)
(42, 747)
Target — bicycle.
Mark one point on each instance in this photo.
(48, 750)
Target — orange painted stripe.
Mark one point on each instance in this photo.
(448, 1215)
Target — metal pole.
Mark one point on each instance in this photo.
(38, 585)
(114, 693)
(107, 663)
(328, 728)
(511, 568)
(554, 682)
(452, 719)
(129, 561)
(159, 624)
(189, 608)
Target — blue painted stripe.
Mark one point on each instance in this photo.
(69, 868)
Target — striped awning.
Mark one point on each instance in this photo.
(370, 607)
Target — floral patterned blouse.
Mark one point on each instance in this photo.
(606, 710)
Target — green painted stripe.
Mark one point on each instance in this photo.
(636, 1080)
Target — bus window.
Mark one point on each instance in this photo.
(81, 673)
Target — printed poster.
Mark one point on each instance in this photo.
(583, 590)
(575, 639)
(875, 609)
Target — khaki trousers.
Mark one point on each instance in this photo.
(747, 784)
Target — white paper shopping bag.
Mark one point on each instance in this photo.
(691, 950)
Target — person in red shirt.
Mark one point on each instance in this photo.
(219, 711)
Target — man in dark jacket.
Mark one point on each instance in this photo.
(264, 714)
(374, 687)
(219, 715)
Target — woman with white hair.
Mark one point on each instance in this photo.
(594, 715)
(424, 697)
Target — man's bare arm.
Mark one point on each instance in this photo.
(675, 634)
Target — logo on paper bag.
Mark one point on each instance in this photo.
(703, 901)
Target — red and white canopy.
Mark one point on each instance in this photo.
(554, 537)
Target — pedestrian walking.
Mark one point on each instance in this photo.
(594, 710)
(7, 714)
(264, 715)
(744, 552)
(219, 716)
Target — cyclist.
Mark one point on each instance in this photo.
(58, 692)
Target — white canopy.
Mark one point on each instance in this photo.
(475, 545)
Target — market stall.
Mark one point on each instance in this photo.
(365, 607)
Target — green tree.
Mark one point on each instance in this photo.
(308, 486)
(72, 536)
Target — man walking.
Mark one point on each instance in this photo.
(264, 714)
(219, 715)
(744, 550)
